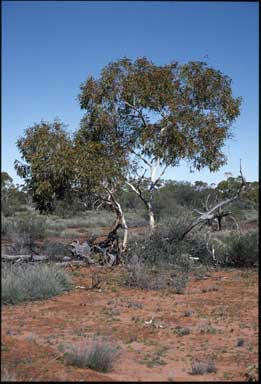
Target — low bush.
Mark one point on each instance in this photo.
(238, 250)
(99, 356)
(165, 247)
(4, 224)
(68, 234)
(55, 250)
(146, 276)
(136, 218)
(202, 367)
(32, 282)
(97, 218)
(23, 231)
(7, 374)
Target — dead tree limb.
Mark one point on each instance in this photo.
(215, 212)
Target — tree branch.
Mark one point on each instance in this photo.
(209, 215)
(141, 157)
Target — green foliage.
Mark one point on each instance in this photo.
(23, 231)
(173, 198)
(238, 250)
(163, 246)
(32, 282)
(12, 199)
(47, 152)
(229, 188)
(190, 103)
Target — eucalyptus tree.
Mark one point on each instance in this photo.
(160, 115)
(55, 165)
(46, 151)
(100, 166)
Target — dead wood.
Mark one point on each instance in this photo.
(215, 213)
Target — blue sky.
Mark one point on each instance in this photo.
(49, 48)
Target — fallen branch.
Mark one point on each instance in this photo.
(70, 263)
(16, 257)
(215, 212)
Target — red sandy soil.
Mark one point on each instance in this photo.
(217, 319)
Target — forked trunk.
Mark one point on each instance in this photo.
(120, 223)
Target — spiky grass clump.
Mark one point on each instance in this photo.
(32, 282)
(99, 356)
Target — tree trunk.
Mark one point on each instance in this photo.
(120, 222)
(219, 223)
(151, 217)
(125, 229)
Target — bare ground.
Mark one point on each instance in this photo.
(218, 311)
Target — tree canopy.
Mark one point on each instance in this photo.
(160, 115)
(47, 151)
(167, 112)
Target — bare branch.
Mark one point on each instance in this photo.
(162, 173)
(140, 115)
(141, 157)
(196, 210)
(210, 213)
(138, 192)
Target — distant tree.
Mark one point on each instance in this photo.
(253, 192)
(12, 199)
(6, 181)
(200, 186)
(227, 188)
(160, 115)
(46, 150)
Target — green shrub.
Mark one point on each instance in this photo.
(239, 250)
(4, 224)
(165, 247)
(146, 276)
(136, 218)
(23, 231)
(55, 250)
(32, 282)
(98, 356)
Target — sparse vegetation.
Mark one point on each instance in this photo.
(32, 282)
(55, 250)
(199, 367)
(99, 355)
(7, 375)
(182, 331)
(23, 231)
(146, 276)
(238, 250)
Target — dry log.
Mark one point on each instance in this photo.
(82, 250)
(24, 257)
(73, 262)
(40, 258)
(16, 257)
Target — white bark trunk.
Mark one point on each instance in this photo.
(125, 236)
(151, 218)
(122, 221)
